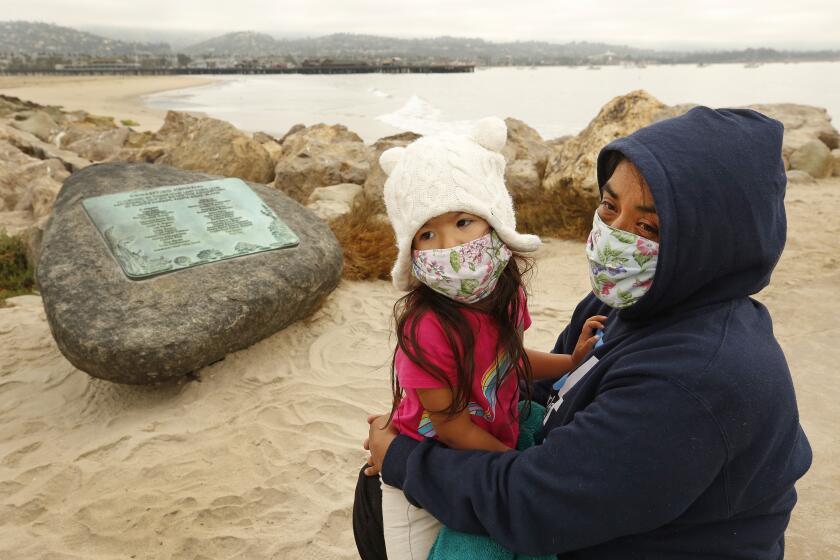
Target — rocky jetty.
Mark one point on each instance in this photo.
(164, 327)
(40, 146)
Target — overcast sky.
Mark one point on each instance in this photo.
(795, 24)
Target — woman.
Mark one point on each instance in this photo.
(679, 436)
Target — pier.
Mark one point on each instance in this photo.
(356, 68)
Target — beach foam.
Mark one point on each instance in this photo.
(421, 117)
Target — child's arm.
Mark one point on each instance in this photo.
(456, 431)
(545, 365)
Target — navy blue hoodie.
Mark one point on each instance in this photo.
(683, 440)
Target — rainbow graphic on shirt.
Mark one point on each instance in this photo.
(488, 389)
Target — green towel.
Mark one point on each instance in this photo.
(452, 545)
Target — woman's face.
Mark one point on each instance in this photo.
(449, 230)
(627, 203)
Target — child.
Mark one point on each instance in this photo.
(459, 359)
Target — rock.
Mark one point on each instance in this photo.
(557, 143)
(375, 182)
(10, 105)
(800, 177)
(320, 156)
(830, 138)
(271, 145)
(526, 154)
(32, 237)
(164, 327)
(295, 129)
(329, 203)
(275, 151)
(835, 156)
(98, 144)
(205, 144)
(39, 124)
(28, 184)
(15, 222)
(32, 146)
(525, 143)
(573, 165)
(803, 123)
(814, 158)
(522, 175)
(263, 137)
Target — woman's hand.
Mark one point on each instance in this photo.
(588, 338)
(378, 440)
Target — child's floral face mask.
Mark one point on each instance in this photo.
(466, 273)
(621, 264)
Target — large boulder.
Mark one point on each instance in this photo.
(835, 158)
(164, 327)
(271, 145)
(204, 144)
(92, 142)
(38, 123)
(28, 184)
(522, 176)
(814, 158)
(375, 182)
(329, 203)
(573, 165)
(526, 154)
(803, 123)
(320, 156)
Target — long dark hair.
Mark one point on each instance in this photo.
(503, 306)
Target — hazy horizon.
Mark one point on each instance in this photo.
(680, 25)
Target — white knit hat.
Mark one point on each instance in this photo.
(449, 173)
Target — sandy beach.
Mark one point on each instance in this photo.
(115, 96)
(259, 457)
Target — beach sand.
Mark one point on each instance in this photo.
(259, 458)
(113, 96)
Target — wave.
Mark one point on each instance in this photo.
(421, 117)
(379, 93)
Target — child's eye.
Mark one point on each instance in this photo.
(464, 222)
(426, 235)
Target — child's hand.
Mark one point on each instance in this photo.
(588, 338)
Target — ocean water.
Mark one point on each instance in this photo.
(554, 100)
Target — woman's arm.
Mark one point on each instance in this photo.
(630, 462)
(456, 431)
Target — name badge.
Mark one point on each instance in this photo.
(565, 384)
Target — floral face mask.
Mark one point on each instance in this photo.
(621, 264)
(466, 273)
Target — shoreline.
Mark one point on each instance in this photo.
(114, 96)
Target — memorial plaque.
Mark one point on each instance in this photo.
(165, 229)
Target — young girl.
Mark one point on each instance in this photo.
(459, 360)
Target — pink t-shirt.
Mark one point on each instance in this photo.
(493, 411)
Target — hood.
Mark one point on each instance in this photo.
(718, 183)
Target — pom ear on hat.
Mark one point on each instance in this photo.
(390, 158)
(490, 133)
